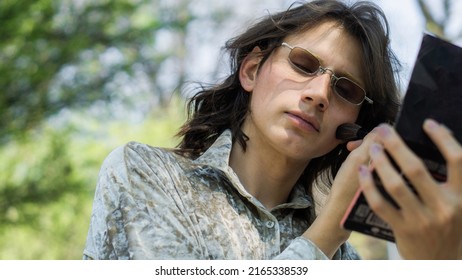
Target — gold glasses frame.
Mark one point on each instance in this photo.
(334, 79)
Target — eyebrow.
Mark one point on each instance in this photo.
(350, 77)
(337, 72)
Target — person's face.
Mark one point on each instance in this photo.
(294, 114)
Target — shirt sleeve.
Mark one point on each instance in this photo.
(303, 249)
(132, 202)
(105, 220)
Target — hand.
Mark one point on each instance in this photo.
(429, 227)
(352, 145)
(326, 231)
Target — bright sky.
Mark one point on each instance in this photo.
(406, 27)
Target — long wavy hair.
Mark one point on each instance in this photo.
(225, 105)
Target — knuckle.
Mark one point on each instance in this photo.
(449, 217)
(426, 225)
(357, 156)
(377, 206)
(393, 144)
(451, 214)
(415, 169)
(455, 157)
(372, 137)
(395, 187)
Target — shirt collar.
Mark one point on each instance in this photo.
(217, 156)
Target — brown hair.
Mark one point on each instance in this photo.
(225, 105)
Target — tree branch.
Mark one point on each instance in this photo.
(432, 24)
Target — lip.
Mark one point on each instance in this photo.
(305, 119)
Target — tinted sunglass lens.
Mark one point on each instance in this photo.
(304, 60)
(349, 91)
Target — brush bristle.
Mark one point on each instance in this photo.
(349, 132)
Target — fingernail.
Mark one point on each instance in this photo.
(384, 130)
(375, 149)
(431, 124)
(363, 171)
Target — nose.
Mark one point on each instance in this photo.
(318, 90)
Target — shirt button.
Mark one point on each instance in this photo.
(269, 224)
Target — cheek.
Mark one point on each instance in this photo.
(339, 117)
(344, 114)
(266, 89)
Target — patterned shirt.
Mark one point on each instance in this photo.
(151, 203)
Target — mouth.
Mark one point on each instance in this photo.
(308, 122)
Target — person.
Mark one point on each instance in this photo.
(256, 148)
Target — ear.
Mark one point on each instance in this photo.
(249, 69)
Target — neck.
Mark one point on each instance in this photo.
(268, 177)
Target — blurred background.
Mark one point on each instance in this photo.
(81, 77)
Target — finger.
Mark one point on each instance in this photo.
(360, 153)
(409, 163)
(368, 139)
(352, 145)
(392, 181)
(381, 207)
(449, 147)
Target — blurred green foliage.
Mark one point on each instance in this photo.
(49, 177)
(52, 57)
(58, 54)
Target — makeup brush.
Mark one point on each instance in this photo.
(350, 132)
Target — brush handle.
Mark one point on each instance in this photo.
(350, 132)
(361, 133)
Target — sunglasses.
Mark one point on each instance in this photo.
(308, 64)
